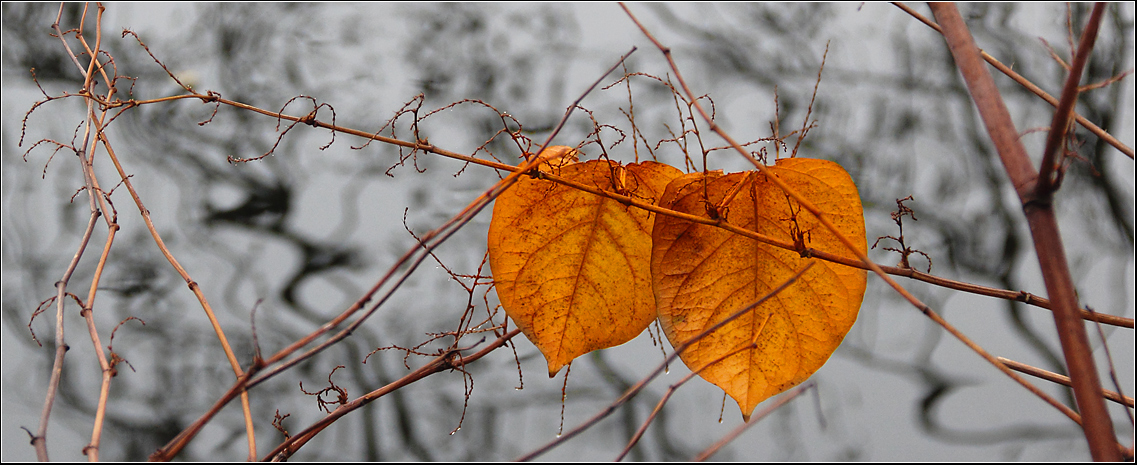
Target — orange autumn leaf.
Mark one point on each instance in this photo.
(703, 274)
(572, 268)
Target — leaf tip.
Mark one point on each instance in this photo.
(554, 368)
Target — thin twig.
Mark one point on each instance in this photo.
(447, 361)
(145, 213)
(1063, 380)
(92, 448)
(1113, 372)
(1049, 174)
(671, 391)
(738, 430)
(1019, 296)
(805, 126)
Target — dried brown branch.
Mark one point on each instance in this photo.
(39, 439)
(96, 127)
(109, 214)
(108, 371)
(904, 250)
(145, 213)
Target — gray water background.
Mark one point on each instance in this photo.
(308, 230)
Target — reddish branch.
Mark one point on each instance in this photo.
(1035, 197)
(1089, 125)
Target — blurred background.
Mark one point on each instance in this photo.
(307, 230)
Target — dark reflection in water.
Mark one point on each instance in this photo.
(306, 230)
